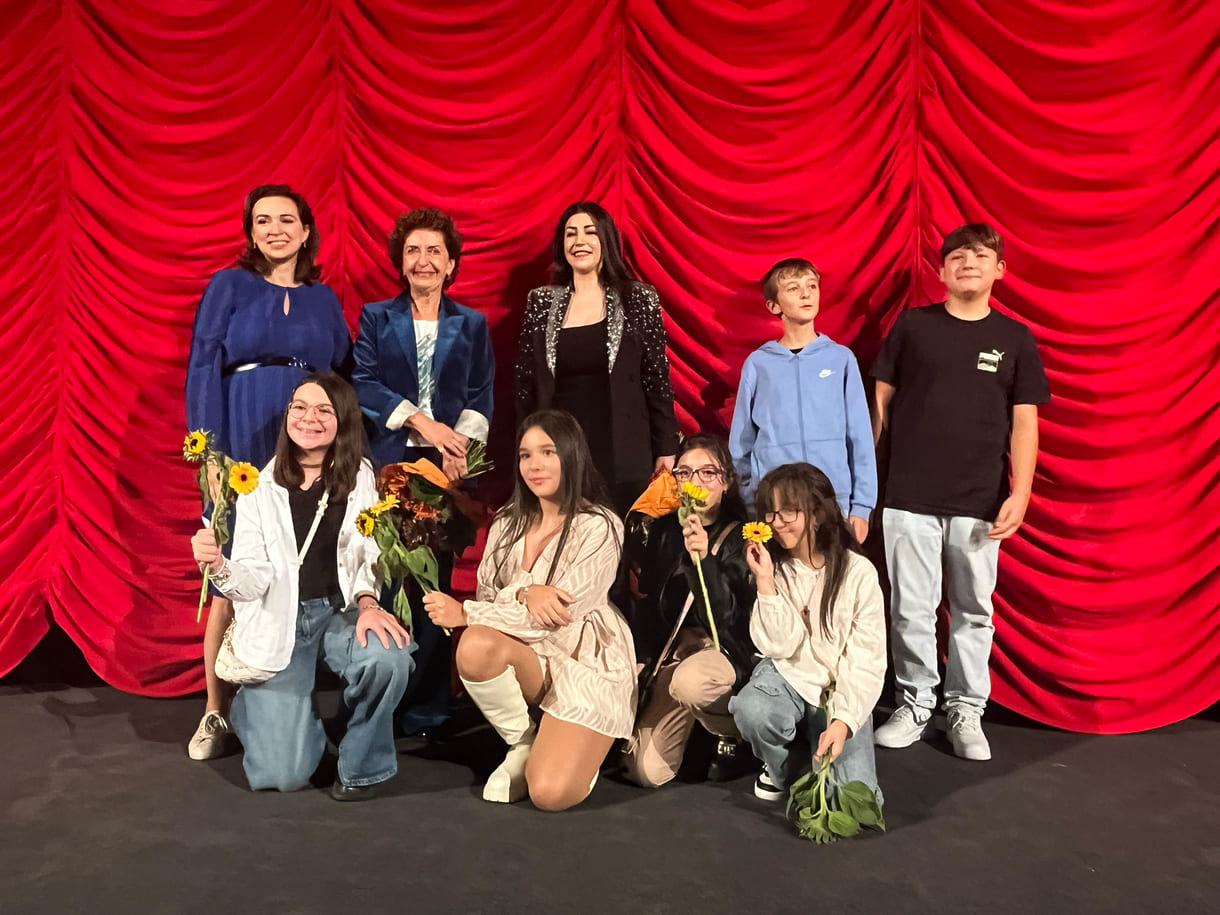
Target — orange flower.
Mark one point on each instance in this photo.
(661, 496)
(397, 477)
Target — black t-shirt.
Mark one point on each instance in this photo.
(319, 573)
(951, 416)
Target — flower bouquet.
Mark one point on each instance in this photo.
(226, 477)
(419, 512)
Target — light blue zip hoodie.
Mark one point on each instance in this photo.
(807, 406)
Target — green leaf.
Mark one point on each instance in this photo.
(384, 535)
(842, 824)
(859, 800)
(423, 566)
(402, 606)
(816, 829)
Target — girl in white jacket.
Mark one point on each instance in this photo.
(302, 584)
(819, 622)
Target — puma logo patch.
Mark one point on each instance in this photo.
(990, 362)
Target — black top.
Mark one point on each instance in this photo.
(951, 416)
(665, 577)
(582, 387)
(639, 417)
(319, 575)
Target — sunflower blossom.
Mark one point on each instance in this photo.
(365, 523)
(243, 478)
(390, 501)
(756, 532)
(696, 492)
(195, 444)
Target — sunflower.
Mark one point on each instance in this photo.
(195, 444)
(696, 492)
(365, 523)
(390, 501)
(756, 532)
(243, 478)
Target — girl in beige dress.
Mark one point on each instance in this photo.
(542, 629)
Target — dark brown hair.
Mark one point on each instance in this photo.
(970, 236)
(804, 487)
(613, 272)
(732, 507)
(581, 488)
(252, 259)
(781, 269)
(425, 218)
(342, 462)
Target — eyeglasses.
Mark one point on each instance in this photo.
(784, 515)
(323, 411)
(706, 474)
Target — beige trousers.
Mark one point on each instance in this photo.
(694, 685)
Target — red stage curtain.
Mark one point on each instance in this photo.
(722, 136)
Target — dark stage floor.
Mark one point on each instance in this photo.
(102, 811)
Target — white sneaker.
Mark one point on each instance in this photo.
(765, 789)
(212, 737)
(966, 733)
(906, 726)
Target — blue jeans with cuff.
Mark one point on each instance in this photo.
(279, 728)
(771, 715)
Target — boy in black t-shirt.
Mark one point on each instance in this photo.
(958, 386)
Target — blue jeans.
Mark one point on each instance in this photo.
(771, 715)
(279, 728)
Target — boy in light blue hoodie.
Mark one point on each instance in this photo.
(801, 399)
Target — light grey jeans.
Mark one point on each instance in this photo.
(921, 552)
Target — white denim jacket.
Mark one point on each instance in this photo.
(264, 568)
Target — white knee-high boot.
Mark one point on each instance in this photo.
(501, 702)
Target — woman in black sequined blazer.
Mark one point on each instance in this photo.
(594, 344)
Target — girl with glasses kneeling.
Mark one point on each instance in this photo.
(820, 624)
(542, 629)
(303, 588)
(686, 679)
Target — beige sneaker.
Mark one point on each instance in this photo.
(212, 738)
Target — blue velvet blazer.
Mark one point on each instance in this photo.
(386, 372)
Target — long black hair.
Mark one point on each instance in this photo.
(732, 506)
(804, 487)
(613, 273)
(342, 462)
(581, 488)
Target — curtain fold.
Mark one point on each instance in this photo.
(722, 136)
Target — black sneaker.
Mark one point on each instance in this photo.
(733, 759)
(765, 789)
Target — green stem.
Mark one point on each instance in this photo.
(203, 594)
(707, 604)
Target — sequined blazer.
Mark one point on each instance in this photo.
(641, 398)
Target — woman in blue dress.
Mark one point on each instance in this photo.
(261, 327)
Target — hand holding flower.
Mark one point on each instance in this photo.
(831, 741)
(444, 610)
(759, 561)
(695, 535)
(206, 550)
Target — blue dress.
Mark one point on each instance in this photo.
(241, 320)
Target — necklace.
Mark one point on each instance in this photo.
(817, 580)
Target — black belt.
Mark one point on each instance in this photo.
(293, 361)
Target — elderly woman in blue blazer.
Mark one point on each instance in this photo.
(424, 374)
